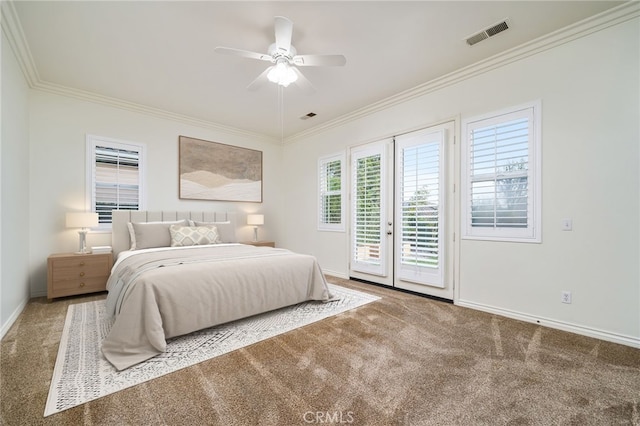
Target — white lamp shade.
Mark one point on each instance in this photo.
(82, 220)
(255, 219)
(282, 74)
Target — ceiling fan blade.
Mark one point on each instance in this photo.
(319, 60)
(260, 81)
(302, 82)
(284, 32)
(242, 53)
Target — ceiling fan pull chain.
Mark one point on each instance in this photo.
(281, 108)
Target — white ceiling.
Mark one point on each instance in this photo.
(160, 54)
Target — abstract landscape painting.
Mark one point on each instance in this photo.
(215, 171)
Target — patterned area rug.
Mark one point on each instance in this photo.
(82, 374)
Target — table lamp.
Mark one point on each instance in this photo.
(255, 220)
(84, 221)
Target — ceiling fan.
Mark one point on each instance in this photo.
(285, 59)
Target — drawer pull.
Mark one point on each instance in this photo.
(82, 274)
(82, 284)
(81, 263)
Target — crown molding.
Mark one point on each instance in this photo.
(147, 110)
(15, 35)
(17, 41)
(601, 21)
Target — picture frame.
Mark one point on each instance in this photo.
(218, 172)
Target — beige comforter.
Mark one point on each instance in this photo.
(156, 295)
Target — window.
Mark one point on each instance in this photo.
(501, 175)
(115, 177)
(331, 193)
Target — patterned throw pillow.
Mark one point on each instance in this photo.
(226, 230)
(193, 235)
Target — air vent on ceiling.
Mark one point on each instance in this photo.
(488, 32)
(308, 116)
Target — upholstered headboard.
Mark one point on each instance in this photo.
(120, 232)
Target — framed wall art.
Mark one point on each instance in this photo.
(219, 172)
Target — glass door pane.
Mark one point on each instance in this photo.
(369, 217)
(423, 258)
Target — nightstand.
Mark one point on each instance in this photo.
(69, 274)
(260, 243)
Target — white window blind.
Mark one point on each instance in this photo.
(501, 176)
(420, 205)
(115, 177)
(331, 193)
(367, 209)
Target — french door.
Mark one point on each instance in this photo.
(400, 211)
(372, 212)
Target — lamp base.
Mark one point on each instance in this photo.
(83, 242)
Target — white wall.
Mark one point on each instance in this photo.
(591, 173)
(589, 90)
(14, 207)
(58, 128)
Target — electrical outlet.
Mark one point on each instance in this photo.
(565, 297)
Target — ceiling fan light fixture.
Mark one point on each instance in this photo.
(284, 59)
(282, 73)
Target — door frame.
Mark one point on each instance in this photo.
(452, 162)
(446, 289)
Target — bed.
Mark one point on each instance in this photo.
(157, 292)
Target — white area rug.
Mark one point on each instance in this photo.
(82, 374)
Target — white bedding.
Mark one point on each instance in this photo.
(156, 294)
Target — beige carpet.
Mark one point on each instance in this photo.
(403, 360)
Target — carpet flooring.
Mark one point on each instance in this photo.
(403, 360)
(83, 374)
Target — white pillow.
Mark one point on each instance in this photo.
(151, 234)
(226, 230)
(193, 235)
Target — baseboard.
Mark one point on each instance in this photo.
(559, 325)
(12, 319)
(335, 274)
(39, 293)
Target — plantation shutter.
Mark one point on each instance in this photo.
(419, 206)
(330, 191)
(116, 179)
(501, 169)
(367, 210)
(499, 174)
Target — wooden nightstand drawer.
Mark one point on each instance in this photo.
(81, 286)
(69, 274)
(67, 268)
